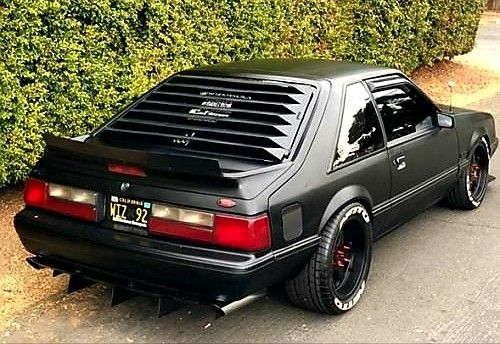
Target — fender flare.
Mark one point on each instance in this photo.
(477, 136)
(348, 194)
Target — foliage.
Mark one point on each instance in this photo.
(68, 65)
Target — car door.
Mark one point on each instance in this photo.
(423, 156)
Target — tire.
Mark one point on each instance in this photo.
(470, 189)
(325, 286)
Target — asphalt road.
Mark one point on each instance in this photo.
(435, 279)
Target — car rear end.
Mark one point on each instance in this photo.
(171, 195)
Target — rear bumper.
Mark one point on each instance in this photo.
(154, 265)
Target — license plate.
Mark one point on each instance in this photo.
(129, 211)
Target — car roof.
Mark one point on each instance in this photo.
(301, 68)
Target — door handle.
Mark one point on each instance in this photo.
(400, 162)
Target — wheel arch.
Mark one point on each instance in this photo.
(477, 136)
(347, 195)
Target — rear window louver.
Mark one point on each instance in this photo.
(216, 116)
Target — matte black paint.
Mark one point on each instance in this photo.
(121, 256)
(291, 220)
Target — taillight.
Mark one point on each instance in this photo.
(187, 216)
(35, 192)
(239, 232)
(126, 169)
(246, 233)
(61, 199)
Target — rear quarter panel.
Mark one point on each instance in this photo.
(321, 192)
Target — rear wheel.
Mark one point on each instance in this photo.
(335, 277)
(471, 187)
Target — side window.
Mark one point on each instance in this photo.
(404, 111)
(360, 131)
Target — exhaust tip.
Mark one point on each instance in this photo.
(225, 309)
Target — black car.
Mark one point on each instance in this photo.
(225, 180)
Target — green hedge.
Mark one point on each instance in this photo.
(68, 65)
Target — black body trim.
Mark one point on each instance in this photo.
(394, 201)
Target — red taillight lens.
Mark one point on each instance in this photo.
(243, 233)
(35, 192)
(180, 230)
(81, 211)
(64, 200)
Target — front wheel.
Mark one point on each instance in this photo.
(471, 187)
(335, 277)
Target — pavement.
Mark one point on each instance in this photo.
(435, 279)
(485, 54)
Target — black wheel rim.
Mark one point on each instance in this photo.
(478, 174)
(349, 259)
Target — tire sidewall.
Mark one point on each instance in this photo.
(474, 203)
(352, 212)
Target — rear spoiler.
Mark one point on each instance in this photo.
(98, 152)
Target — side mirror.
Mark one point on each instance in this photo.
(445, 121)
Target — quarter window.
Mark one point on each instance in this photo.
(404, 111)
(360, 131)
